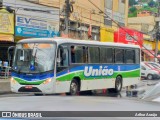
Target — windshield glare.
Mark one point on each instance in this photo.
(34, 57)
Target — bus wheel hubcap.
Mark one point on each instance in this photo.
(73, 88)
(118, 84)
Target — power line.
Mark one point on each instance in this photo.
(24, 6)
(122, 28)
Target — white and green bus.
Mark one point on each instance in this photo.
(63, 65)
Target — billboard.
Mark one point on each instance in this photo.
(6, 22)
(123, 35)
(28, 26)
(34, 20)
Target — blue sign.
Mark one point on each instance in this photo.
(31, 27)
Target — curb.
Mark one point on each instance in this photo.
(5, 92)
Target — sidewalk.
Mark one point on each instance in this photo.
(5, 86)
(142, 87)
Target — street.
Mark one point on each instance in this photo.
(97, 102)
(74, 103)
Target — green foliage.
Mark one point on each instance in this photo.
(149, 5)
(152, 4)
(134, 14)
(132, 9)
(154, 9)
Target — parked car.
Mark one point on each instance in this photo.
(149, 72)
(155, 64)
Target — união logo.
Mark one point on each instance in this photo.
(101, 71)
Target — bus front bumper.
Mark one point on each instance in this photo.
(42, 88)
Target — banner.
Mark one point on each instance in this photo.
(28, 26)
(45, 114)
(6, 23)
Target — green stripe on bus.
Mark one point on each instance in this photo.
(126, 74)
(23, 82)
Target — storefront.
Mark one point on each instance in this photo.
(123, 35)
(148, 49)
(6, 33)
(107, 34)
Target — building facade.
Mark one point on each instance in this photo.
(6, 32)
(117, 13)
(33, 20)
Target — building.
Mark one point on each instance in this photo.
(117, 12)
(33, 20)
(27, 20)
(146, 25)
(144, 13)
(6, 32)
(85, 15)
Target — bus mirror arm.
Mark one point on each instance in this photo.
(63, 56)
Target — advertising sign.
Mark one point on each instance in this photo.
(128, 36)
(28, 26)
(6, 23)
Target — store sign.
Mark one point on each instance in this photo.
(128, 36)
(28, 26)
(6, 23)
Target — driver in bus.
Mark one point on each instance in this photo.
(72, 54)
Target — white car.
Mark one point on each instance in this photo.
(155, 64)
(149, 72)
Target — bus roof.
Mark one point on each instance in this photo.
(60, 40)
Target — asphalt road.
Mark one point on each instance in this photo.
(29, 102)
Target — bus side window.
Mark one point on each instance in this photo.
(62, 57)
(72, 54)
(65, 60)
(79, 54)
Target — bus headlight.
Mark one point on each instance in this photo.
(13, 80)
(47, 81)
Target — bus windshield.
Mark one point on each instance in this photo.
(34, 57)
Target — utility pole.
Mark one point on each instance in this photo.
(67, 4)
(157, 32)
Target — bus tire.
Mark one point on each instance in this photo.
(118, 84)
(74, 88)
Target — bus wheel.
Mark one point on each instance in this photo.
(118, 84)
(74, 88)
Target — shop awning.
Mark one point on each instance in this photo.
(150, 53)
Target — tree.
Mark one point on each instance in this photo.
(152, 3)
(132, 9)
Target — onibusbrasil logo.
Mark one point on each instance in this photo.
(101, 71)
